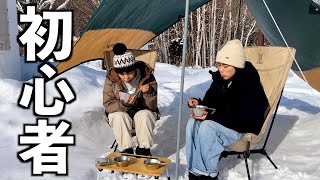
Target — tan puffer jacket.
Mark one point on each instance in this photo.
(113, 84)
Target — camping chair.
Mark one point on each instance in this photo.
(149, 57)
(273, 65)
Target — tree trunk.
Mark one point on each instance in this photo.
(250, 32)
(243, 23)
(222, 26)
(198, 38)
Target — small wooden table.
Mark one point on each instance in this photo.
(136, 165)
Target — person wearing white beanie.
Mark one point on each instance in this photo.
(239, 104)
(232, 54)
(130, 101)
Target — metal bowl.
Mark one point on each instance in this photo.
(201, 107)
(124, 95)
(131, 92)
(152, 164)
(197, 110)
(122, 161)
(103, 161)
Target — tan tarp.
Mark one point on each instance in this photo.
(93, 44)
(312, 76)
(273, 65)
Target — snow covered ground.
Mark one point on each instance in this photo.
(293, 144)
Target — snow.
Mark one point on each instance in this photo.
(293, 144)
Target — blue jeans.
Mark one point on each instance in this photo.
(205, 141)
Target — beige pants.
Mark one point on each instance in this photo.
(122, 125)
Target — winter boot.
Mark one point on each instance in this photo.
(201, 177)
(128, 151)
(143, 151)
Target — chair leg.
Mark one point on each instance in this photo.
(114, 142)
(247, 167)
(239, 156)
(114, 145)
(264, 152)
(246, 155)
(115, 148)
(224, 154)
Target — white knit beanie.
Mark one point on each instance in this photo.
(122, 57)
(232, 53)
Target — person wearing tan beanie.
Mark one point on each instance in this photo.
(239, 101)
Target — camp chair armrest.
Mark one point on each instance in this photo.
(244, 142)
(252, 138)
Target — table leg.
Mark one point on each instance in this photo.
(168, 177)
(99, 174)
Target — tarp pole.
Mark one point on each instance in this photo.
(185, 30)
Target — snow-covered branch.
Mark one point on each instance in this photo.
(63, 5)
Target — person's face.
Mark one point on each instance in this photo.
(128, 76)
(226, 71)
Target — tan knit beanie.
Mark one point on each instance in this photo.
(232, 54)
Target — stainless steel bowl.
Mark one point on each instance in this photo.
(122, 161)
(131, 92)
(103, 161)
(152, 164)
(197, 110)
(201, 107)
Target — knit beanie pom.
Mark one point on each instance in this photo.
(119, 49)
(123, 60)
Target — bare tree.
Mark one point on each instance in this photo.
(250, 32)
(82, 10)
(212, 33)
(210, 27)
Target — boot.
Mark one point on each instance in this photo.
(128, 151)
(143, 151)
(201, 177)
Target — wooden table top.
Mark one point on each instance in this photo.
(136, 165)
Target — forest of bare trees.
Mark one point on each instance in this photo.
(82, 10)
(210, 26)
